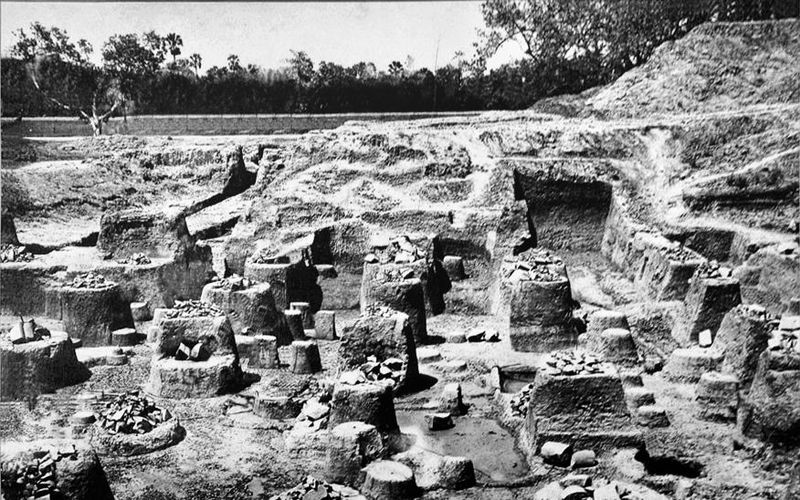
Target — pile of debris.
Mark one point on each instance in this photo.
(712, 269)
(25, 331)
(34, 477)
(535, 265)
(573, 363)
(192, 309)
(519, 401)
(137, 259)
(90, 280)
(482, 335)
(391, 368)
(314, 489)
(131, 414)
(314, 415)
(390, 275)
(679, 253)
(233, 283)
(14, 253)
(399, 251)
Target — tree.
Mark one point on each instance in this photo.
(62, 72)
(173, 42)
(196, 62)
(133, 59)
(233, 64)
(301, 67)
(396, 69)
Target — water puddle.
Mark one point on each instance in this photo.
(490, 447)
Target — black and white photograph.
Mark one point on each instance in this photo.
(389, 250)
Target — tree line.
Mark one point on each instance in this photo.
(569, 46)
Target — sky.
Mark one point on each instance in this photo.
(263, 33)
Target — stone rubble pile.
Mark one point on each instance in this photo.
(391, 368)
(519, 401)
(712, 269)
(679, 253)
(482, 335)
(14, 253)
(90, 280)
(130, 413)
(34, 478)
(192, 309)
(314, 489)
(393, 275)
(399, 251)
(137, 259)
(314, 415)
(573, 363)
(536, 265)
(233, 283)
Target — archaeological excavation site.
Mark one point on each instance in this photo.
(594, 298)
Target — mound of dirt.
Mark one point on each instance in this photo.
(716, 67)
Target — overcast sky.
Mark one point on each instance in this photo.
(264, 33)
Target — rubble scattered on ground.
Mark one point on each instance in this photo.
(314, 489)
(137, 259)
(712, 269)
(131, 413)
(192, 309)
(573, 363)
(233, 283)
(534, 265)
(14, 253)
(35, 476)
(90, 280)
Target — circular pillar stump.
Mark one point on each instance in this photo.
(352, 446)
(305, 357)
(388, 480)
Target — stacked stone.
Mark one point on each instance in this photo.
(352, 446)
(743, 335)
(717, 396)
(401, 250)
(14, 253)
(770, 411)
(137, 259)
(34, 477)
(705, 305)
(250, 307)
(90, 280)
(131, 413)
(575, 395)
(370, 402)
(193, 323)
(667, 270)
(540, 317)
(398, 288)
(381, 344)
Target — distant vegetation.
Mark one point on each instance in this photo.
(571, 45)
